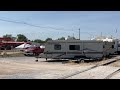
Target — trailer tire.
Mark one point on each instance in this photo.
(76, 58)
(36, 60)
(25, 55)
(82, 61)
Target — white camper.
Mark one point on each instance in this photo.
(76, 49)
(117, 45)
(110, 39)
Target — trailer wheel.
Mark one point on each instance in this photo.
(76, 58)
(36, 60)
(25, 54)
(82, 61)
(33, 54)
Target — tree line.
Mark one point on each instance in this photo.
(23, 38)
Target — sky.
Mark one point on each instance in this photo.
(56, 24)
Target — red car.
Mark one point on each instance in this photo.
(33, 51)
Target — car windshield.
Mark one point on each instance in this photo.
(34, 46)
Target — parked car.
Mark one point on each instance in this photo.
(33, 51)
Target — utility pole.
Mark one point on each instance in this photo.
(116, 30)
(101, 34)
(79, 33)
(116, 33)
(73, 34)
(111, 36)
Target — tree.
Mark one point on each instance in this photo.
(9, 36)
(21, 38)
(48, 39)
(69, 37)
(62, 38)
(38, 41)
(29, 40)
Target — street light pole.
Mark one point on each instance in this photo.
(79, 33)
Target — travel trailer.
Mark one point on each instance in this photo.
(110, 39)
(77, 49)
(117, 45)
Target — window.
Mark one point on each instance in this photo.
(103, 46)
(57, 47)
(74, 47)
(112, 46)
(118, 45)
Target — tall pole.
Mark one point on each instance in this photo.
(101, 34)
(79, 33)
(73, 34)
(116, 33)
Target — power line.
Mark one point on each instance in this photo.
(48, 27)
(25, 23)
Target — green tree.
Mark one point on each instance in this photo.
(69, 37)
(38, 41)
(62, 38)
(9, 36)
(48, 39)
(21, 38)
(29, 40)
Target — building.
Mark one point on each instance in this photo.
(9, 43)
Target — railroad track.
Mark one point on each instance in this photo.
(112, 74)
(104, 63)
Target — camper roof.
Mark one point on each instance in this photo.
(94, 41)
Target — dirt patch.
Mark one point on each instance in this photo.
(26, 67)
(11, 54)
(21, 67)
(116, 64)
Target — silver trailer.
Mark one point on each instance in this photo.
(117, 45)
(77, 49)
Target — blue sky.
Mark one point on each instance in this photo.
(91, 23)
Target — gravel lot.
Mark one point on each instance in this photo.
(117, 76)
(97, 73)
(27, 68)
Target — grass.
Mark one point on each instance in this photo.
(11, 54)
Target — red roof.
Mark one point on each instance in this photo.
(6, 39)
(17, 42)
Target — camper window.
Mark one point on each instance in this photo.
(57, 47)
(112, 46)
(103, 46)
(74, 47)
(118, 45)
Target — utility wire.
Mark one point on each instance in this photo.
(25, 23)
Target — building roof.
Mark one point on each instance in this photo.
(73, 41)
(6, 39)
